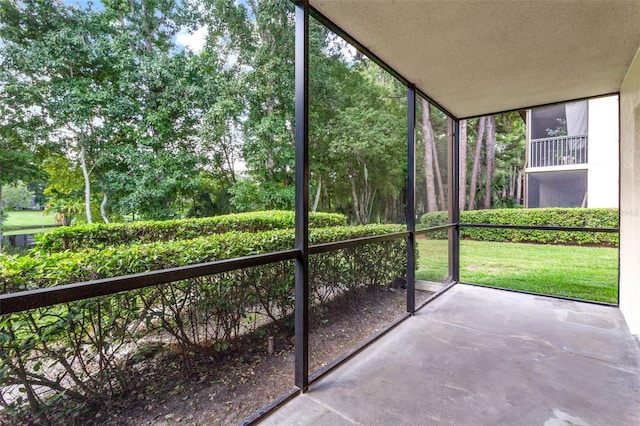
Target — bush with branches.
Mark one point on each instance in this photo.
(82, 352)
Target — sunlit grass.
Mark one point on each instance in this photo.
(589, 273)
(19, 231)
(20, 219)
(433, 263)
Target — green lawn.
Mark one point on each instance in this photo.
(19, 231)
(22, 219)
(589, 273)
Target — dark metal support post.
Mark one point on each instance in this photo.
(454, 200)
(302, 195)
(411, 199)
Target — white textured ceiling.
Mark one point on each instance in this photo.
(481, 57)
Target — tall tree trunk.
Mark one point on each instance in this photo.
(317, 199)
(462, 149)
(490, 156)
(436, 166)
(386, 211)
(519, 187)
(364, 195)
(512, 181)
(370, 205)
(366, 198)
(103, 207)
(327, 199)
(87, 185)
(475, 171)
(362, 202)
(354, 194)
(427, 136)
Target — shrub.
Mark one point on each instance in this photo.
(97, 235)
(83, 351)
(563, 217)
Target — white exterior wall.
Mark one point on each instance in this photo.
(630, 196)
(602, 177)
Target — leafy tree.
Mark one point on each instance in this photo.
(210, 198)
(367, 143)
(248, 194)
(490, 159)
(181, 112)
(334, 81)
(16, 159)
(37, 187)
(259, 37)
(510, 159)
(111, 91)
(150, 129)
(17, 196)
(64, 189)
(500, 140)
(56, 62)
(65, 209)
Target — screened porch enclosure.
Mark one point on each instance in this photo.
(430, 369)
(466, 354)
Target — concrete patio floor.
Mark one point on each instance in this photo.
(479, 356)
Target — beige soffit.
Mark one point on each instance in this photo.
(481, 57)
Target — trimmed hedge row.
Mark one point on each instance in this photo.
(39, 270)
(92, 347)
(574, 217)
(98, 235)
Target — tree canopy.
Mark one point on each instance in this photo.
(124, 120)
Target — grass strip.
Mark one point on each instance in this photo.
(589, 273)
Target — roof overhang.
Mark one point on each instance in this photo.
(481, 57)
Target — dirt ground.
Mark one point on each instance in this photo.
(225, 389)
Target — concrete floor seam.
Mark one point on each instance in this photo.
(473, 329)
(333, 410)
(608, 363)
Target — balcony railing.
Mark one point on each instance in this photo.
(558, 151)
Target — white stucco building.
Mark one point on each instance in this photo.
(572, 155)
